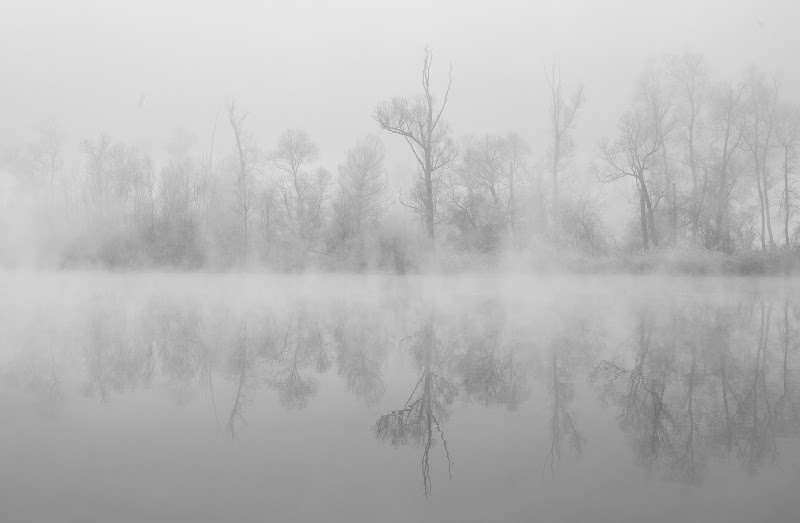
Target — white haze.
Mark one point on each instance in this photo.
(322, 66)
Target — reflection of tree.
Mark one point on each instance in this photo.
(688, 463)
(301, 347)
(426, 407)
(240, 367)
(492, 379)
(180, 347)
(721, 436)
(489, 369)
(571, 345)
(360, 357)
(639, 394)
(38, 374)
(562, 422)
(757, 444)
(723, 399)
(787, 407)
(115, 358)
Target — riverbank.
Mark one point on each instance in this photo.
(679, 261)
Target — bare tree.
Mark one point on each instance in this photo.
(361, 197)
(514, 179)
(268, 212)
(419, 121)
(758, 139)
(97, 168)
(51, 146)
(729, 111)
(246, 157)
(632, 155)
(485, 190)
(562, 121)
(478, 206)
(689, 72)
(787, 134)
(205, 189)
(656, 98)
(302, 192)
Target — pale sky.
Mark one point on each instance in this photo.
(322, 66)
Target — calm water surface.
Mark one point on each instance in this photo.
(331, 398)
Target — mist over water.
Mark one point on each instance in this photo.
(130, 397)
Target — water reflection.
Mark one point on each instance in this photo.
(638, 392)
(297, 356)
(361, 351)
(691, 383)
(488, 364)
(427, 407)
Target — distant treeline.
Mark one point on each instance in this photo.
(709, 164)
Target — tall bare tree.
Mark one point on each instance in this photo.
(514, 179)
(633, 154)
(419, 121)
(657, 103)
(486, 188)
(562, 121)
(302, 192)
(762, 100)
(246, 159)
(477, 198)
(729, 111)
(689, 71)
(787, 134)
(361, 196)
(52, 142)
(98, 163)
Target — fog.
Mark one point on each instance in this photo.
(399, 261)
(135, 99)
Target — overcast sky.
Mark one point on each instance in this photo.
(322, 66)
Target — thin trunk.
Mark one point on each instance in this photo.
(786, 194)
(786, 348)
(766, 208)
(512, 212)
(556, 154)
(765, 171)
(701, 202)
(643, 216)
(671, 192)
(429, 221)
(540, 195)
(725, 403)
(429, 211)
(674, 217)
(696, 206)
(722, 203)
(761, 209)
(650, 215)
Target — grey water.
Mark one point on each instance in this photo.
(156, 397)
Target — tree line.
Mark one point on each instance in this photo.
(712, 164)
(709, 164)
